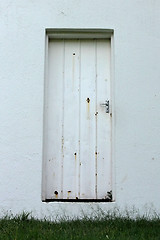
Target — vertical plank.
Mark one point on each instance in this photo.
(87, 119)
(71, 120)
(96, 121)
(53, 113)
(79, 139)
(103, 119)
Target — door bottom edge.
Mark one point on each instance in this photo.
(77, 200)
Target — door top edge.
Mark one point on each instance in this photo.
(78, 33)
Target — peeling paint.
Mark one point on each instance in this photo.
(108, 196)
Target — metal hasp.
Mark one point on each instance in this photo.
(106, 104)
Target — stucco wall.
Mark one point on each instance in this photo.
(136, 89)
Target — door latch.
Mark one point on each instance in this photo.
(106, 104)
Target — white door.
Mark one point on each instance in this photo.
(77, 133)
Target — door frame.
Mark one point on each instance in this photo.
(56, 33)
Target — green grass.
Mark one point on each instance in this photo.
(117, 228)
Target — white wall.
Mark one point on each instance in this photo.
(136, 93)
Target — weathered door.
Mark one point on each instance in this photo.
(77, 125)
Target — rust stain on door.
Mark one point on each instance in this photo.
(88, 107)
(73, 71)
